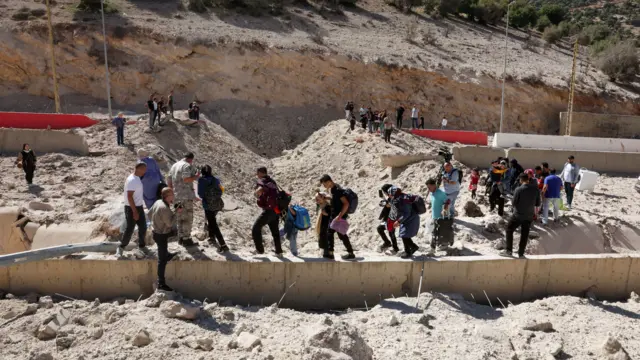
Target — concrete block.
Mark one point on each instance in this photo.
(43, 141)
(477, 156)
(570, 143)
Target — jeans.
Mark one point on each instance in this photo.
(152, 118)
(161, 241)
(387, 135)
(343, 237)
(120, 135)
(370, 125)
(569, 190)
(290, 232)
(270, 218)
(495, 198)
(452, 202)
(213, 228)
(512, 225)
(131, 224)
(382, 228)
(414, 123)
(545, 209)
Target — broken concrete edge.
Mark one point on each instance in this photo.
(44, 141)
(395, 161)
(609, 277)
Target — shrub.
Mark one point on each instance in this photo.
(489, 11)
(199, 6)
(620, 62)
(94, 6)
(522, 14)
(552, 34)
(534, 79)
(431, 6)
(599, 46)
(555, 13)
(543, 23)
(449, 7)
(593, 33)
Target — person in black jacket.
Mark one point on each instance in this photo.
(385, 203)
(399, 114)
(27, 161)
(339, 210)
(525, 200)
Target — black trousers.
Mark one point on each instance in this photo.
(408, 244)
(387, 135)
(120, 135)
(399, 122)
(382, 230)
(344, 238)
(525, 227)
(161, 241)
(271, 219)
(214, 229)
(495, 198)
(131, 224)
(352, 124)
(421, 124)
(28, 174)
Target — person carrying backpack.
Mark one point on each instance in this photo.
(386, 225)
(405, 218)
(296, 219)
(267, 193)
(451, 178)
(210, 191)
(342, 201)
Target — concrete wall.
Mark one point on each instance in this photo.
(476, 156)
(404, 160)
(43, 141)
(605, 162)
(601, 125)
(11, 238)
(573, 143)
(323, 285)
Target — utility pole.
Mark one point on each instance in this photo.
(504, 70)
(572, 90)
(106, 63)
(56, 96)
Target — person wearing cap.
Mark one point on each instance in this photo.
(152, 178)
(405, 218)
(119, 122)
(570, 175)
(133, 210)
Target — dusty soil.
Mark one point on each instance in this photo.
(443, 326)
(89, 189)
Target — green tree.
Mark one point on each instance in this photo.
(449, 7)
(430, 6)
(593, 33)
(620, 62)
(466, 7)
(489, 11)
(522, 14)
(552, 34)
(543, 23)
(554, 12)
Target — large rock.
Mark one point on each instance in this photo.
(45, 302)
(471, 209)
(247, 341)
(64, 342)
(158, 298)
(141, 339)
(611, 349)
(180, 310)
(325, 354)
(545, 326)
(205, 344)
(634, 297)
(340, 338)
(40, 206)
(50, 328)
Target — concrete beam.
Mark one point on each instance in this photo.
(327, 284)
(395, 161)
(43, 141)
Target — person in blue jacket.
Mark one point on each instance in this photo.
(210, 191)
(151, 180)
(405, 218)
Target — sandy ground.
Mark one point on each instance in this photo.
(89, 189)
(443, 326)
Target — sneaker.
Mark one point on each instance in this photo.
(329, 256)
(382, 248)
(348, 256)
(392, 252)
(505, 253)
(414, 249)
(223, 249)
(140, 252)
(278, 254)
(521, 257)
(188, 242)
(164, 287)
(405, 255)
(119, 252)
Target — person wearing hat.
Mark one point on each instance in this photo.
(405, 218)
(133, 210)
(570, 175)
(119, 122)
(152, 178)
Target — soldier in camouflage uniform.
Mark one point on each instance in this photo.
(181, 178)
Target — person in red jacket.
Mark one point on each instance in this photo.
(267, 194)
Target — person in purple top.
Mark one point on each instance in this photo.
(151, 180)
(119, 122)
(551, 191)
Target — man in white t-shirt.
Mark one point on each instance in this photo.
(444, 123)
(133, 210)
(414, 116)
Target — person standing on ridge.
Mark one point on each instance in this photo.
(339, 211)
(181, 177)
(422, 122)
(570, 175)
(414, 117)
(162, 223)
(267, 193)
(525, 200)
(210, 191)
(388, 128)
(27, 161)
(151, 114)
(399, 114)
(119, 121)
(134, 211)
(444, 123)
(170, 97)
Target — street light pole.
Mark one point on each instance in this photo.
(106, 63)
(504, 70)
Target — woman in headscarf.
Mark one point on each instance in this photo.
(151, 180)
(210, 190)
(406, 218)
(323, 200)
(27, 161)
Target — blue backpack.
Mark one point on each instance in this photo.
(302, 220)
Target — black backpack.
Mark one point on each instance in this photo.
(283, 199)
(460, 175)
(353, 200)
(419, 205)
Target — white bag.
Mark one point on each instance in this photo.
(588, 180)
